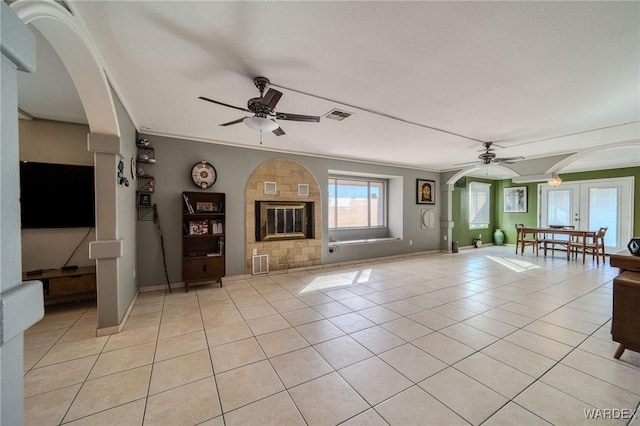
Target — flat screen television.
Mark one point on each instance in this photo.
(56, 195)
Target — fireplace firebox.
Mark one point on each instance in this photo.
(283, 220)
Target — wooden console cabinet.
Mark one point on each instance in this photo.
(203, 230)
(626, 299)
(59, 284)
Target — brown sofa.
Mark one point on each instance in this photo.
(625, 326)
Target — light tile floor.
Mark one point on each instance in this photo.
(479, 337)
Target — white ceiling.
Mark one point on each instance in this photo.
(538, 78)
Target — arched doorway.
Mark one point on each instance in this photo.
(76, 50)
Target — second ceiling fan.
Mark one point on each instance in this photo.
(488, 156)
(264, 117)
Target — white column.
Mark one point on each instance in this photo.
(446, 213)
(21, 304)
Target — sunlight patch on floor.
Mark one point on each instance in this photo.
(337, 280)
(514, 264)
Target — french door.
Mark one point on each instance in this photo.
(590, 205)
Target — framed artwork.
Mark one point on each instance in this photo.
(515, 199)
(204, 206)
(198, 227)
(144, 200)
(425, 191)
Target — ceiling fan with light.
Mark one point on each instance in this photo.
(488, 156)
(264, 117)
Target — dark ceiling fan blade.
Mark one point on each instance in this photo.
(239, 120)
(271, 98)
(297, 117)
(222, 103)
(508, 159)
(279, 132)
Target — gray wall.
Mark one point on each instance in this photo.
(20, 307)
(174, 159)
(127, 215)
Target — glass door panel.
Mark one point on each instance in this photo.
(590, 205)
(559, 206)
(603, 211)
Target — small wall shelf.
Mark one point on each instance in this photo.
(146, 183)
(146, 154)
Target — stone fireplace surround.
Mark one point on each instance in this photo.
(283, 254)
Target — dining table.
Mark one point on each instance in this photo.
(576, 237)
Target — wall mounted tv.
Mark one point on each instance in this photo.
(56, 195)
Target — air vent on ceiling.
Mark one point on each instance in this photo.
(338, 115)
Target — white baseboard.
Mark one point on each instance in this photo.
(106, 331)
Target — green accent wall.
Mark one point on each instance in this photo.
(507, 221)
(460, 207)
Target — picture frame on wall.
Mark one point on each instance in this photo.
(425, 191)
(144, 200)
(515, 199)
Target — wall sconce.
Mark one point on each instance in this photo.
(555, 180)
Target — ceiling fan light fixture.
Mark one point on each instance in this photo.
(261, 124)
(554, 181)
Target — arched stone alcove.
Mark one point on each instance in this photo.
(283, 253)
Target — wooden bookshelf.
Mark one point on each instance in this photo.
(203, 242)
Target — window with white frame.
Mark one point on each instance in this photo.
(479, 205)
(357, 203)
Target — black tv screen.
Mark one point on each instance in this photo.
(56, 195)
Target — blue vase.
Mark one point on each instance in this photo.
(498, 237)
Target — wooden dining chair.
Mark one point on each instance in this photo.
(593, 245)
(519, 226)
(526, 239)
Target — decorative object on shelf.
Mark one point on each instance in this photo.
(425, 191)
(634, 246)
(270, 188)
(203, 217)
(498, 237)
(204, 206)
(146, 184)
(515, 199)
(187, 204)
(198, 227)
(146, 155)
(203, 174)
